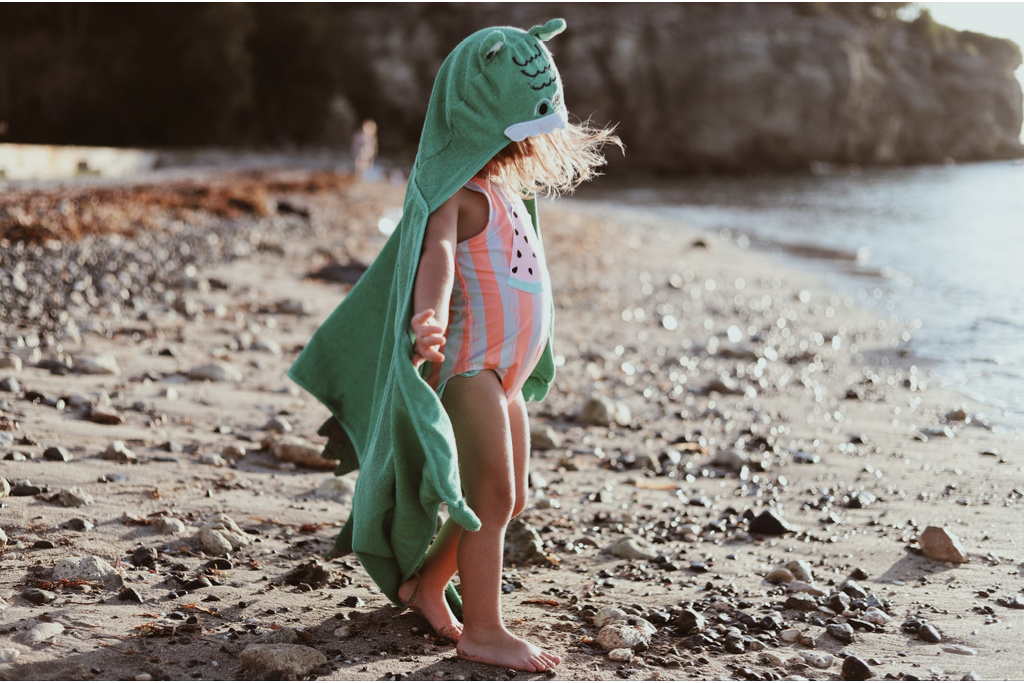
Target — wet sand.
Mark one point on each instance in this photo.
(742, 417)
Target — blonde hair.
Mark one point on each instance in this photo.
(553, 163)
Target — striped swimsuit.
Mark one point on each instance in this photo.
(500, 313)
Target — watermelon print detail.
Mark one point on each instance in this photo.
(524, 266)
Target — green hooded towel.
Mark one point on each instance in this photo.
(499, 84)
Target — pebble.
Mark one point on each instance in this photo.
(543, 437)
(104, 364)
(601, 411)
(621, 654)
(3, 540)
(78, 524)
(282, 636)
(621, 635)
(780, 575)
(57, 454)
(960, 650)
(90, 568)
(217, 371)
(339, 489)
(278, 425)
(10, 361)
(297, 660)
(106, 416)
(790, 635)
(939, 543)
(523, 544)
(608, 615)
(293, 449)
(841, 632)
(690, 621)
(11, 385)
(170, 525)
(130, 594)
(38, 596)
(5, 488)
(73, 497)
(819, 660)
(42, 632)
(9, 654)
(801, 570)
(118, 452)
(220, 535)
(212, 459)
(876, 616)
(632, 548)
(929, 634)
(855, 669)
(769, 523)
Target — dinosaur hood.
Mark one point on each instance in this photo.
(498, 85)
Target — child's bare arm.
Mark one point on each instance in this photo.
(435, 278)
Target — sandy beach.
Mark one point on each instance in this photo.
(737, 460)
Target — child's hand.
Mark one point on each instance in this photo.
(429, 338)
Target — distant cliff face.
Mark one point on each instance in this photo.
(725, 87)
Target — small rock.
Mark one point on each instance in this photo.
(941, 544)
(130, 594)
(38, 596)
(217, 371)
(621, 654)
(294, 449)
(841, 632)
(339, 489)
(801, 570)
(819, 660)
(73, 497)
(57, 454)
(105, 415)
(220, 535)
(297, 660)
(608, 615)
(92, 569)
(170, 525)
(5, 488)
(10, 361)
(853, 589)
(690, 621)
(632, 548)
(145, 557)
(78, 524)
(620, 635)
(543, 437)
(780, 575)
(278, 425)
(346, 630)
(104, 364)
(601, 411)
(282, 636)
(876, 616)
(9, 654)
(11, 385)
(960, 650)
(929, 634)
(769, 523)
(42, 632)
(855, 669)
(523, 544)
(790, 635)
(118, 452)
(3, 540)
(293, 307)
(213, 460)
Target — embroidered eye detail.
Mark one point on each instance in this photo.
(544, 107)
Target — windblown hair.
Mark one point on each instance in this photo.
(554, 163)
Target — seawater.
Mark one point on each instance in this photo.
(940, 249)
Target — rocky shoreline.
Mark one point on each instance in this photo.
(736, 475)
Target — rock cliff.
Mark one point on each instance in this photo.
(724, 87)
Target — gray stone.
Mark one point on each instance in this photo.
(91, 568)
(855, 669)
(770, 523)
(5, 488)
(298, 660)
(523, 544)
(57, 454)
(929, 634)
(41, 632)
(118, 452)
(73, 497)
(632, 548)
(170, 525)
(601, 411)
(220, 535)
(339, 489)
(9, 384)
(217, 371)
(543, 437)
(620, 635)
(104, 364)
(281, 636)
(841, 632)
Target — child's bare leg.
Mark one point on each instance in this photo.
(481, 418)
(424, 591)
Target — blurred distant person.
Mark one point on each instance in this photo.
(364, 150)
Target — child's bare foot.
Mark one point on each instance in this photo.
(501, 648)
(437, 612)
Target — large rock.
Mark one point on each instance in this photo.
(298, 660)
(700, 86)
(92, 569)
